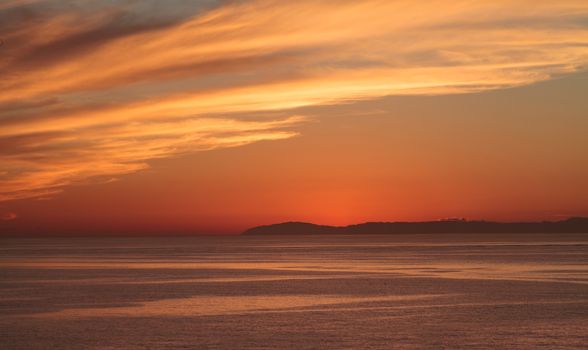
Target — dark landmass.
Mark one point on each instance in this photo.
(571, 225)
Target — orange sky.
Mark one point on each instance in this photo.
(216, 116)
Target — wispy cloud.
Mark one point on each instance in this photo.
(95, 91)
(9, 4)
(43, 164)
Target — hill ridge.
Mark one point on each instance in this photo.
(570, 225)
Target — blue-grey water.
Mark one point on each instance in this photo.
(305, 292)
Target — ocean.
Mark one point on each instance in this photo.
(295, 292)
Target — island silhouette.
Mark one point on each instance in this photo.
(571, 225)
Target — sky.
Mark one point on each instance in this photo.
(214, 116)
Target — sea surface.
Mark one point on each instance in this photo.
(295, 292)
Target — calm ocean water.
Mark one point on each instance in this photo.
(368, 292)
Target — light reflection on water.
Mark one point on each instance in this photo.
(377, 292)
(227, 305)
(526, 271)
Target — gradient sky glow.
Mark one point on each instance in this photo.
(213, 116)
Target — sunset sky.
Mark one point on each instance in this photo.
(214, 116)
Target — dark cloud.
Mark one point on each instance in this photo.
(69, 47)
(22, 106)
(116, 24)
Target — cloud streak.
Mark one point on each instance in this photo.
(42, 165)
(95, 92)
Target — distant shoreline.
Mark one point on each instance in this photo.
(571, 225)
(575, 225)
